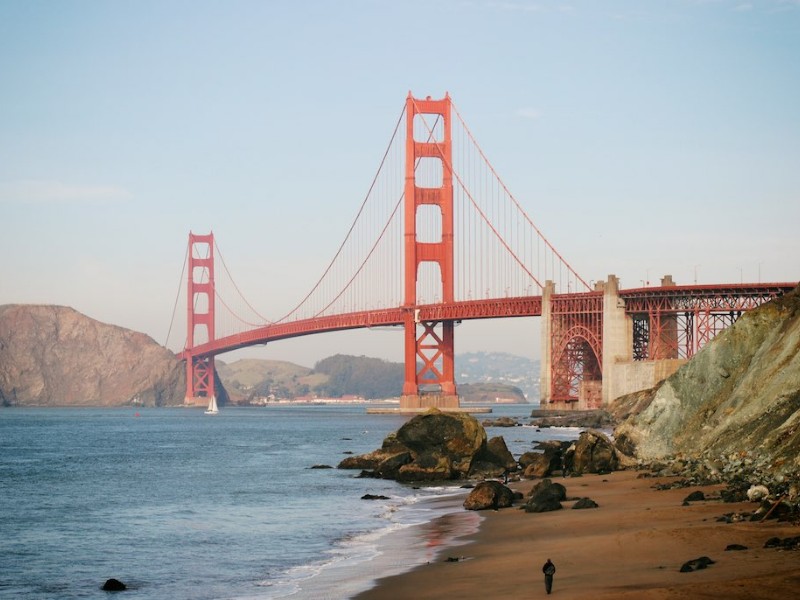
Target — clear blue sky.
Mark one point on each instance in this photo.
(643, 138)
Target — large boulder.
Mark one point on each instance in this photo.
(593, 452)
(390, 449)
(436, 446)
(543, 464)
(494, 460)
(545, 496)
(489, 494)
(537, 465)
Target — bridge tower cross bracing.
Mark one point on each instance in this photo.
(200, 297)
(434, 345)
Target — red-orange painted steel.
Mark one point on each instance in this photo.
(676, 321)
(201, 294)
(668, 322)
(576, 343)
(430, 347)
(530, 306)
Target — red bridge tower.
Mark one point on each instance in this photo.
(433, 384)
(200, 298)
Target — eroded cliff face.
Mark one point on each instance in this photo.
(55, 356)
(740, 395)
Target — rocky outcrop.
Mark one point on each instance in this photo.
(55, 356)
(435, 446)
(489, 494)
(545, 496)
(594, 419)
(501, 422)
(737, 401)
(593, 452)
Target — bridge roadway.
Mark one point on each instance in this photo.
(715, 297)
(526, 306)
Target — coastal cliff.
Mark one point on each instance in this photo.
(737, 400)
(56, 356)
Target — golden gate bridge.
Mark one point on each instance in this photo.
(439, 239)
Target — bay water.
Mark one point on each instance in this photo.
(182, 505)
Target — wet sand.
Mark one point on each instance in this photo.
(632, 546)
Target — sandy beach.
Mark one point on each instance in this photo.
(631, 546)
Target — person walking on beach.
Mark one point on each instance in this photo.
(549, 570)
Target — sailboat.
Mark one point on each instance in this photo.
(212, 406)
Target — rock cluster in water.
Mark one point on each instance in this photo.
(435, 446)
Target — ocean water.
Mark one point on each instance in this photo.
(182, 505)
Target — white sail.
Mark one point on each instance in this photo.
(212, 406)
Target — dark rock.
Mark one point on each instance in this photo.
(537, 505)
(585, 503)
(696, 564)
(542, 464)
(592, 453)
(389, 468)
(497, 452)
(695, 496)
(321, 467)
(593, 419)
(549, 488)
(730, 547)
(427, 466)
(370, 461)
(114, 585)
(500, 422)
(489, 494)
(545, 496)
(789, 543)
(374, 497)
(482, 469)
(435, 446)
(368, 474)
(456, 436)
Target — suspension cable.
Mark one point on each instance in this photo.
(236, 287)
(485, 218)
(177, 297)
(352, 226)
(513, 199)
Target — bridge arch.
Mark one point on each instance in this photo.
(577, 362)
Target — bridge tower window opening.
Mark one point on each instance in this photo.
(429, 173)
(428, 127)
(429, 283)
(429, 224)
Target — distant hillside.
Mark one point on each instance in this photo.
(490, 393)
(251, 378)
(518, 372)
(360, 376)
(55, 356)
(371, 378)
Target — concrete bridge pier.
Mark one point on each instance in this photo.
(617, 338)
